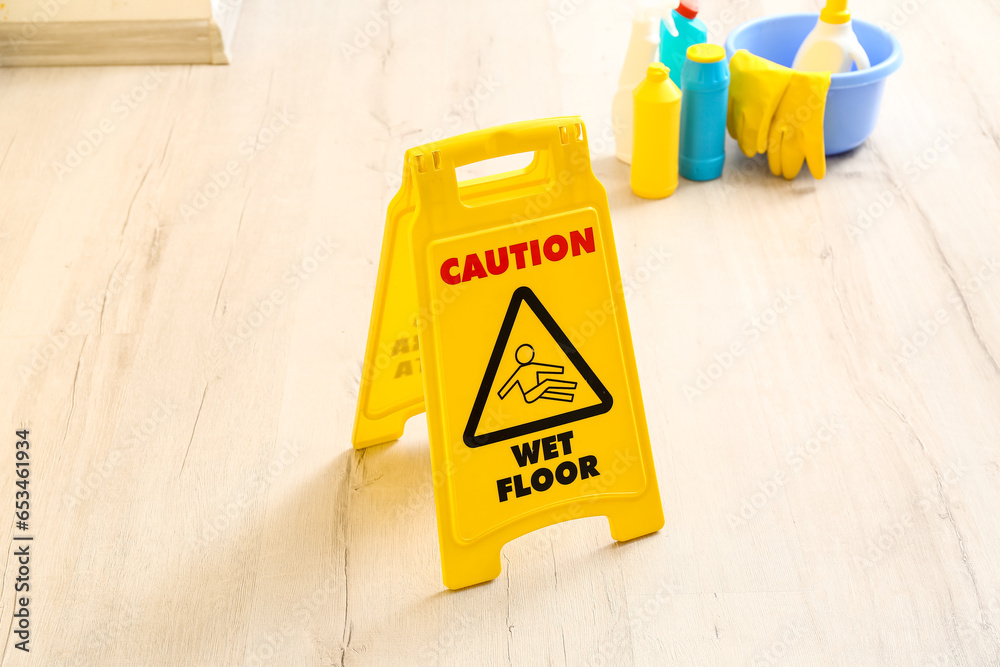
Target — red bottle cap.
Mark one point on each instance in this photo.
(688, 8)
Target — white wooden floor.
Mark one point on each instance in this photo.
(187, 262)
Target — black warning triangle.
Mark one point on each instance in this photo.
(524, 294)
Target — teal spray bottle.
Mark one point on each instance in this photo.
(689, 29)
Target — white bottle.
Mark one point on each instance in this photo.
(643, 49)
(832, 45)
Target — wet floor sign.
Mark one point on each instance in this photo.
(499, 307)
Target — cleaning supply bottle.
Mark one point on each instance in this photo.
(656, 130)
(704, 100)
(642, 49)
(687, 30)
(832, 45)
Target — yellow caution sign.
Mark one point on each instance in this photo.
(499, 306)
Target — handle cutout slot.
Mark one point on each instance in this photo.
(533, 177)
(495, 168)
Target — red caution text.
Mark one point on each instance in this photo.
(494, 262)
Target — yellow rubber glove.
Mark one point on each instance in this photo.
(755, 88)
(797, 129)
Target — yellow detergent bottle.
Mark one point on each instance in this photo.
(656, 130)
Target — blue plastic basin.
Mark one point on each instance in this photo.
(854, 99)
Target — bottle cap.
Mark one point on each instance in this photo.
(835, 12)
(706, 53)
(657, 72)
(689, 8)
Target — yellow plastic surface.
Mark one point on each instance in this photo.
(656, 131)
(529, 379)
(706, 53)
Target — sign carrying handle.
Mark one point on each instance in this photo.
(506, 140)
(560, 147)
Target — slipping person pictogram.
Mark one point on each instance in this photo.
(552, 389)
(571, 389)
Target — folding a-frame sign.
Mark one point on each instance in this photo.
(499, 308)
